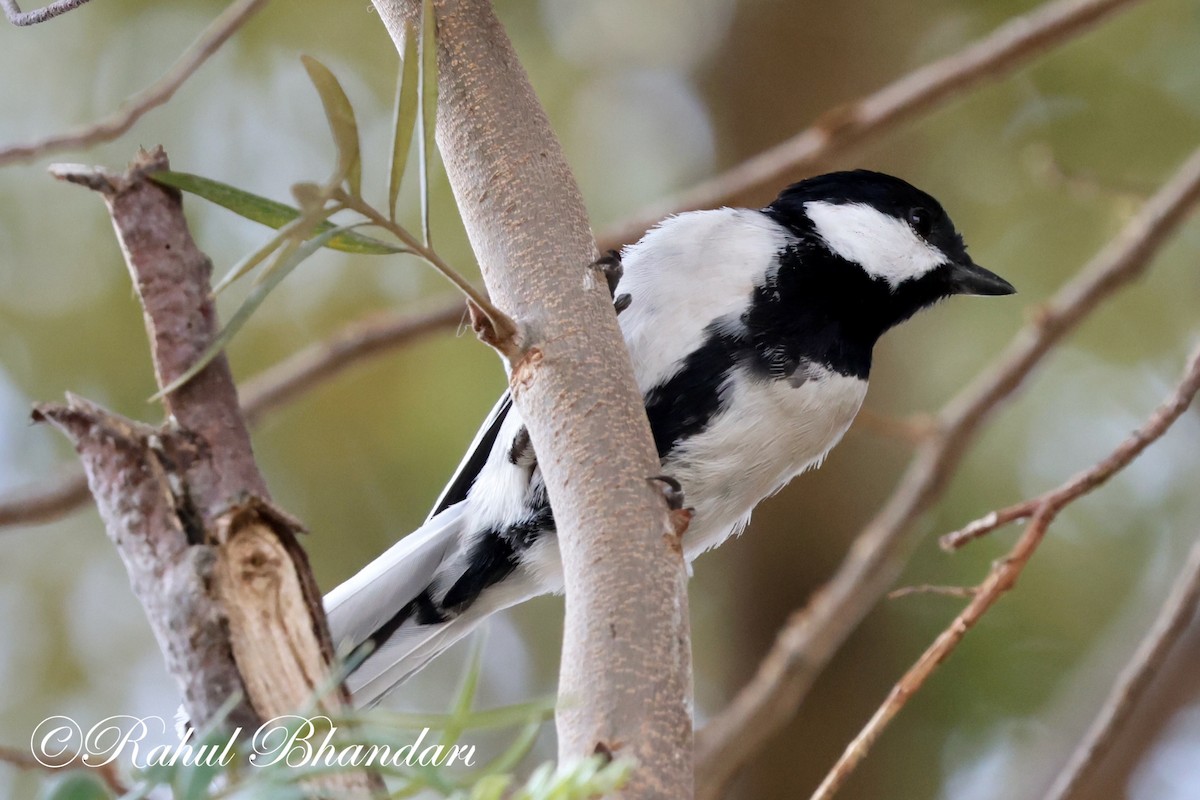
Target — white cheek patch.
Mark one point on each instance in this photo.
(885, 247)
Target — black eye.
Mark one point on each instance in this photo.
(921, 221)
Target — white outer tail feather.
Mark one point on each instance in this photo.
(364, 603)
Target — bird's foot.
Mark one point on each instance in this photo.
(610, 266)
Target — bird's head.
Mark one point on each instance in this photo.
(906, 251)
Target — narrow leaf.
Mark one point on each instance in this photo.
(428, 106)
(407, 95)
(460, 711)
(340, 115)
(255, 258)
(268, 212)
(278, 271)
(520, 747)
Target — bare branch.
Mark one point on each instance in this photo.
(811, 637)
(266, 392)
(109, 128)
(225, 585)
(22, 18)
(961, 592)
(282, 383)
(988, 523)
(49, 500)
(142, 514)
(1172, 621)
(995, 56)
(1004, 573)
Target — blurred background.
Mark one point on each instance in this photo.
(1038, 170)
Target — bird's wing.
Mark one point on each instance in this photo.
(477, 455)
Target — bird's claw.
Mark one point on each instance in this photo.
(671, 490)
(610, 266)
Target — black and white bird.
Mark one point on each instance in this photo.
(751, 334)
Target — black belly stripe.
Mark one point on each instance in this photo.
(684, 405)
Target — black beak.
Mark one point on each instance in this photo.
(970, 278)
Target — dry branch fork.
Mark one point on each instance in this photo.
(220, 573)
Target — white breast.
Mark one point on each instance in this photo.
(779, 430)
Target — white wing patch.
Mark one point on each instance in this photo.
(885, 247)
(692, 269)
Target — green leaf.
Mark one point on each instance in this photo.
(491, 787)
(255, 258)
(268, 212)
(460, 712)
(288, 260)
(428, 105)
(407, 95)
(520, 747)
(340, 115)
(78, 786)
(192, 781)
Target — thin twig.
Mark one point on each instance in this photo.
(109, 128)
(961, 592)
(51, 499)
(282, 383)
(1004, 573)
(23, 760)
(22, 18)
(811, 637)
(501, 330)
(988, 523)
(266, 392)
(836, 131)
(1173, 619)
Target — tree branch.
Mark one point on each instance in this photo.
(995, 56)
(162, 90)
(224, 582)
(625, 685)
(22, 18)
(282, 383)
(1172, 621)
(268, 391)
(49, 500)
(1004, 573)
(811, 636)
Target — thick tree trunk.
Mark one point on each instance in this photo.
(625, 684)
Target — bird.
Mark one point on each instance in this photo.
(751, 334)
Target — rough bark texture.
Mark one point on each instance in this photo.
(128, 472)
(223, 580)
(625, 682)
